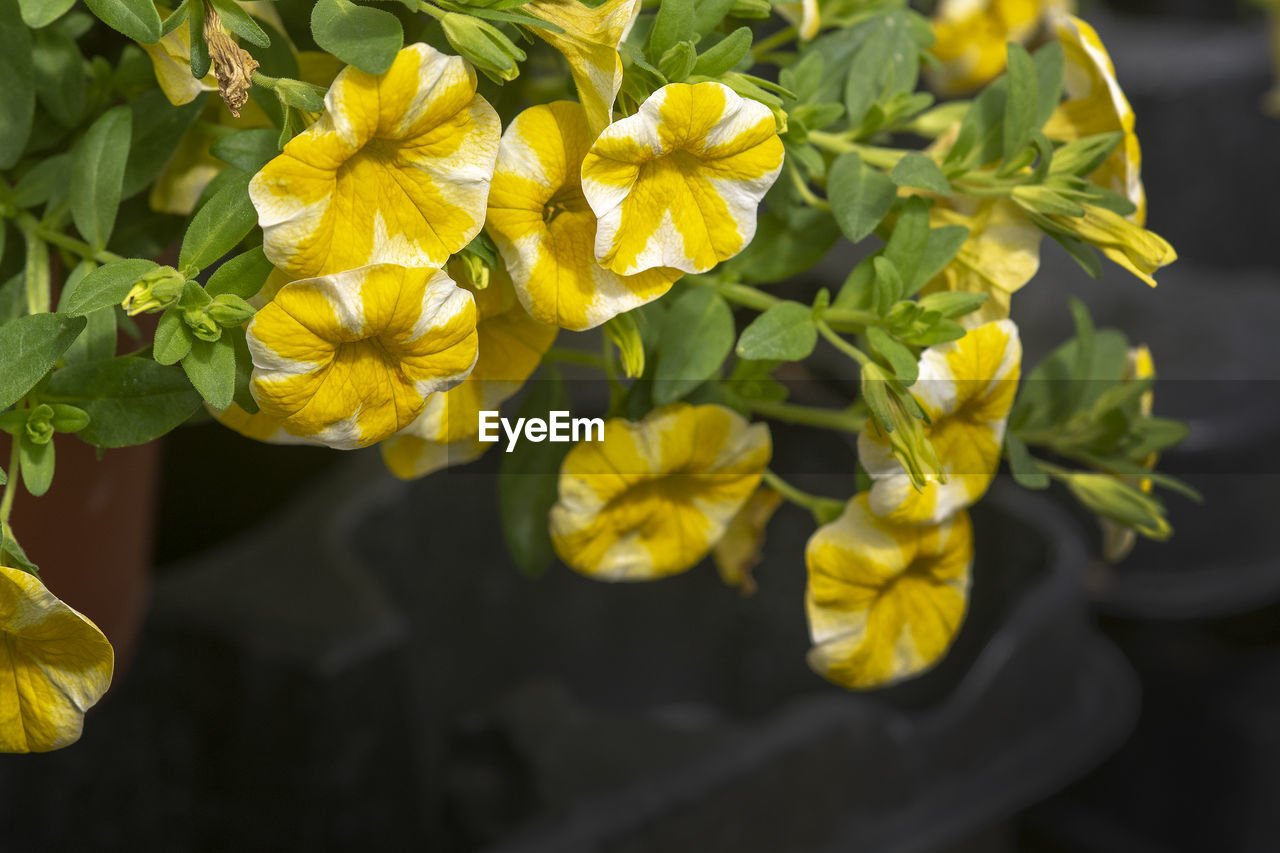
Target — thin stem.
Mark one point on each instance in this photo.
(839, 317)
(746, 295)
(769, 42)
(872, 155)
(841, 344)
(823, 509)
(431, 10)
(844, 420)
(25, 221)
(806, 195)
(11, 489)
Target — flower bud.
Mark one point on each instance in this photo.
(39, 426)
(483, 44)
(229, 310)
(1112, 498)
(751, 9)
(474, 270)
(201, 324)
(154, 292)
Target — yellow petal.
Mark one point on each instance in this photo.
(885, 600)
(171, 59)
(653, 497)
(396, 170)
(678, 183)
(590, 45)
(1001, 254)
(55, 663)
(349, 359)
(970, 38)
(739, 550)
(967, 388)
(540, 221)
(511, 345)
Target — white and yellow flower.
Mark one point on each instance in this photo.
(350, 359)
(967, 388)
(56, 665)
(589, 43)
(540, 221)
(885, 600)
(1096, 104)
(396, 170)
(1000, 255)
(511, 345)
(678, 184)
(654, 496)
(971, 38)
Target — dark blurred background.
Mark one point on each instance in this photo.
(332, 660)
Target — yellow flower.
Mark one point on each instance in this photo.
(970, 39)
(171, 59)
(590, 45)
(1001, 254)
(396, 170)
(349, 359)
(541, 223)
(1095, 104)
(653, 497)
(967, 388)
(1138, 250)
(678, 183)
(56, 665)
(511, 345)
(738, 551)
(1117, 539)
(885, 600)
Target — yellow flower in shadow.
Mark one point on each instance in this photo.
(971, 38)
(350, 359)
(56, 665)
(1000, 255)
(396, 170)
(885, 600)
(654, 496)
(678, 183)
(540, 221)
(967, 388)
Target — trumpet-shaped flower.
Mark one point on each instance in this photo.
(1138, 250)
(590, 45)
(653, 497)
(1096, 104)
(967, 388)
(678, 183)
(1001, 254)
(971, 38)
(511, 345)
(56, 665)
(349, 359)
(540, 221)
(396, 170)
(885, 600)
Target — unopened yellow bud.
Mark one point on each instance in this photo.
(155, 291)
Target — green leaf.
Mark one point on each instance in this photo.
(137, 19)
(953, 303)
(173, 338)
(243, 397)
(528, 481)
(981, 130)
(158, 128)
(43, 181)
(17, 84)
(906, 244)
(60, 77)
(860, 196)
(37, 462)
(673, 24)
(219, 225)
(367, 38)
(696, 337)
(200, 58)
(1026, 472)
(920, 170)
(785, 332)
(41, 13)
(900, 358)
(939, 249)
(29, 348)
(238, 21)
(677, 63)
(106, 286)
(243, 276)
(708, 13)
(16, 558)
(97, 173)
(1022, 103)
(211, 367)
(130, 400)
(725, 54)
(1050, 73)
(248, 149)
(888, 283)
(887, 62)
(784, 248)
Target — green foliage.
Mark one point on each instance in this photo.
(29, 348)
(697, 335)
(785, 332)
(218, 226)
(97, 171)
(860, 195)
(130, 400)
(362, 36)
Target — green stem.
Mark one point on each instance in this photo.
(872, 155)
(823, 509)
(11, 489)
(36, 272)
(26, 222)
(838, 318)
(431, 10)
(769, 42)
(844, 420)
(841, 344)
(746, 295)
(806, 195)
